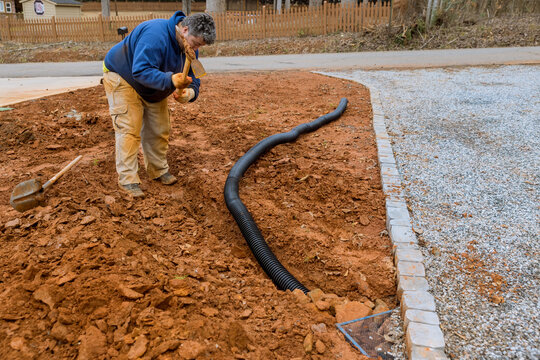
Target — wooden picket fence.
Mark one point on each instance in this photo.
(301, 21)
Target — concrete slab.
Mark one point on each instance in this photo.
(14, 90)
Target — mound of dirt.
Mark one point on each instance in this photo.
(94, 274)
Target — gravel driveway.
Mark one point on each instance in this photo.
(467, 144)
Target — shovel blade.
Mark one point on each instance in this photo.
(198, 68)
(26, 195)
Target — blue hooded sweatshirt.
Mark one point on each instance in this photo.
(148, 57)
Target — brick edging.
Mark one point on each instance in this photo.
(424, 339)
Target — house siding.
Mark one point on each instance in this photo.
(51, 9)
(68, 11)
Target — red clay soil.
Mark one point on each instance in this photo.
(94, 274)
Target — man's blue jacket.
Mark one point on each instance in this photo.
(148, 57)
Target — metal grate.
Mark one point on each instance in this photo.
(370, 334)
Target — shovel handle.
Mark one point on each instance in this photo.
(187, 65)
(61, 172)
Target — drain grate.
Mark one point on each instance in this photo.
(371, 335)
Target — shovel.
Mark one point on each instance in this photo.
(191, 59)
(29, 193)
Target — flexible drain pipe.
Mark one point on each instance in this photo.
(266, 258)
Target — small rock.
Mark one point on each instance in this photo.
(351, 311)
(308, 343)
(380, 308)
(17, 343)
(129, 293)
(246, 313)
(319, 328)
(315, 295)
(320, 347)
(138, 348)
(369, 304)
(191, 350)
(300, 296)
(45, 294)
(364, 220)
(66, 278)
(93, 344)
(54, 147)
(13, 223)
(60, 332)
(159, 221)
(167, 345)
(209, 312)
(87, 220)
(322, 305)
(109, 200)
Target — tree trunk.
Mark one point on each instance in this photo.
(216, 6)
(428, 13)
(434, 11)
(186, 7)
(105, 8)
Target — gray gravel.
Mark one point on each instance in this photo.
(467, 143)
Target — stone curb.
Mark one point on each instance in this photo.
(424, 339)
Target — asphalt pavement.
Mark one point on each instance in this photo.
(34, 79)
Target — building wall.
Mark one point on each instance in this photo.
(68, 11)
(29, 13)
(6, 5)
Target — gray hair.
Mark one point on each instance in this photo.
(201, 25)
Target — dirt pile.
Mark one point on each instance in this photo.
(94, 274)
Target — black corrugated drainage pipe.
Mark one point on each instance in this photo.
(266, 258)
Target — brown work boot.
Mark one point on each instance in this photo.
(167, 179)
(133, 190)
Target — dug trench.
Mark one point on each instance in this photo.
(94, 274)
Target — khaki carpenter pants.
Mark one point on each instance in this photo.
(137, 121)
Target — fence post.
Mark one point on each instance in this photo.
(8, 28)
(361, 16)
(390, 17)
(264, 21)
(325, 16)
(101, 30)
(53, 25)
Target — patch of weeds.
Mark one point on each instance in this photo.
(303, 33)
(410, 32)
(311, 258)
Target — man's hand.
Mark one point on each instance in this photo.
(180, 81)
(183, 96)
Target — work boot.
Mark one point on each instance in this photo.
(133, 190)
(167, 179)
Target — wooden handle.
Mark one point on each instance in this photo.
(187, 65)
(61, 172)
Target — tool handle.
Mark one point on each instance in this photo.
(61, 172)
(187, 65)
(185, 71)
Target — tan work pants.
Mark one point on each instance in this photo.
(135, 119)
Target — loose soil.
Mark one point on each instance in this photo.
(95, 274)
(496, 32)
